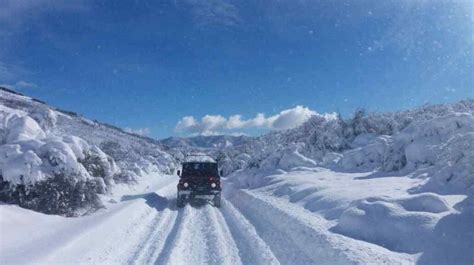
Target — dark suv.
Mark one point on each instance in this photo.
(199, 180)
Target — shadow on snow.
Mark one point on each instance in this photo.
(152, 199)
(160, 203)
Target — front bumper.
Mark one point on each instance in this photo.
(206, 194)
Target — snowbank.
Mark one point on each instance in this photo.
(420, 223)
(387, 225)
(421, 142)
(368, 157)
(452, 239)
(292, 159)
(453, 171)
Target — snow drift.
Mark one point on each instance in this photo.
(49, 173)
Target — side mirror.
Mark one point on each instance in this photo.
(178, 172)
(221, 172)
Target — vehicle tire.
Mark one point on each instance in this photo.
(180, 202)
(217, 201)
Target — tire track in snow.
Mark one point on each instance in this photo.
(150, 249)
(200, 237)
(134, 232)
(160, 230)
(180, 246)
(279, 241)
(155, 232)
(120, 234)
(111, 252)
(252, 248)
(291, 231)
(221, 244)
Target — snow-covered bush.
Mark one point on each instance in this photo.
(367, 139)
(22, 128)
(453, 170)
(100, 165)
(422, 142)
(139, 159)
(292, 159)
(113, 149)
(368, 157)
(126, 176)
(46, 118)
(48, 173)
(125, 148)
(440, 148)
(59, 194)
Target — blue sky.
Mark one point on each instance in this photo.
(250, 66)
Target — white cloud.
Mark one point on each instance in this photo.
(139, 131)
(291, 118)
(20, 85)
(214, 124)
(187, 123)
(23, 84)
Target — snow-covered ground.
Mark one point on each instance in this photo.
(144, 226)
(374, 208)
(305, 216)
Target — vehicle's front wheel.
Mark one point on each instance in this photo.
(217, 200)
(180, 202)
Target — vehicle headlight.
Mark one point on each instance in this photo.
(213, 185)
(185, 184)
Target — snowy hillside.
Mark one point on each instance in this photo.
(428, 138)
(57, 162)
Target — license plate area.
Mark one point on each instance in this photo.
(200, 188)
(205, 197)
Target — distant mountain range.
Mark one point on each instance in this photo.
(206, 142)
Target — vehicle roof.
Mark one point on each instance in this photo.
(199, 158)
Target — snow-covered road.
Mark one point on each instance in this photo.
(147, 228)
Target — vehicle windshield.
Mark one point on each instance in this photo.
(199, 169)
